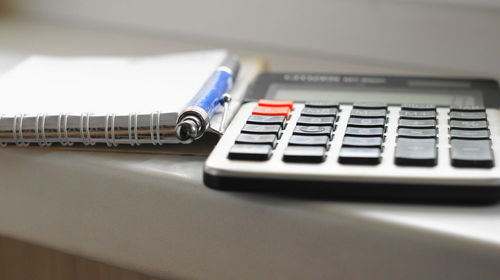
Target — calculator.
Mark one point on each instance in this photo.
(357, 136)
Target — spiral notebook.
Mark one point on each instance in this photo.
(103, 101)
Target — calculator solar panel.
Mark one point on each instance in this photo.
(373, 149)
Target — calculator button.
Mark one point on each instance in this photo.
(320, 112)
(369, 105)
(420, 152)
(367, 113)
(313, 130)
(471, 153)
(417, 123)
(456, 115)
(468, 124)
(272, 111)
(404, 114)
(472, 108)
(305, 120)
(418, 107)
(262, 119)
(261, 129)
(352, 155)
(469, 134)
(301, 140)
(366, 122)
(362, 141)
(276, 103)
(322, 104)
(304, 154)
(364, 131)
(250, 152)
(417, 132)
(244, 138)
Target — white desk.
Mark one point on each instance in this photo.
(152, 213)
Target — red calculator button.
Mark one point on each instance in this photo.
(272, 111)
(276, 103)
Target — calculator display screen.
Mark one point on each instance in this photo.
(390, 96)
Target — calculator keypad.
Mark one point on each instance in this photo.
(469, 134)
(310, 134)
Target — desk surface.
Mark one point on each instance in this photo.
(151, 213)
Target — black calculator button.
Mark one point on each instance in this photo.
(417, 132)
(261, 129)
(362, 141)
(472, 108)
(417, 123)
(321, 104)
(471, 153)
(468, 124)
(418, 107)
(351, 155)
(250, 152)
(306, 120)
(319, 112)
(362, 122)
(245, 138)
(456, 115)
(405, 114)
(469, 134)
(364, 131)
(302, 140)
(419, 152)
(263, 119)
(304, 154)
(370, 105)
(368, 113)
(312, 130)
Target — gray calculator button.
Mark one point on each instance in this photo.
(362, 141)
(262, 119)
(418, 107)
(469, 134)
(245, 138)
(472, 108)
(417, 123)
(305, 120)
(468, 124)
(457, 115)
(312, 130)
(419, 152)
(322, 104)
(302, 140)
(364, 131)
(380, 122)
(261, 129)
(370, 105)
(405, 114)
(304, 154)
(471, 153)
(250, 152)
(368, 113)
(351, 155)
(417, 132)
(319, 112)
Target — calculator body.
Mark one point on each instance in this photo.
(350, 136)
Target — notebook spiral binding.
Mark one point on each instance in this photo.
(67, 129)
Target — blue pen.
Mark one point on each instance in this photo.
(195, 120)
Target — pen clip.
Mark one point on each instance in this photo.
(225, 99)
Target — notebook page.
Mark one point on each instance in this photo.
(102, 85)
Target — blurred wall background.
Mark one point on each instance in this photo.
(460, 36)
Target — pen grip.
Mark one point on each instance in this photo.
(209, 96)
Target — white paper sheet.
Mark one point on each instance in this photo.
(100, 85)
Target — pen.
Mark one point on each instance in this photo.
(195, 119)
